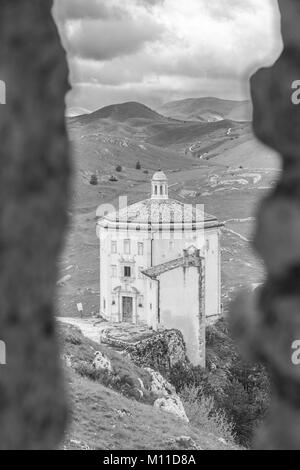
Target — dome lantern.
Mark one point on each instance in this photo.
(159, 186)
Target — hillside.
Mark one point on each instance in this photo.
(103, 418)
(207, 110)
(122, 135)
(121, 112)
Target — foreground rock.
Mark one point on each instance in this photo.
(102, 362)
(182, 443)
(169, 401)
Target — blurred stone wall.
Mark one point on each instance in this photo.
(34, 187)
(267, 323)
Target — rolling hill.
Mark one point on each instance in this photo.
(126, 133)
(121, 113)
(207, 109)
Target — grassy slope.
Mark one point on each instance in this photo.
(96, 421)
(97, 424)
(206, 108)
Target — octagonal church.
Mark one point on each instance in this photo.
(160, 266)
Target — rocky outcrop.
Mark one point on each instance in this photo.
(172, 404)
(161, 351)
(182, 443)
(168, 400)
(159, 385)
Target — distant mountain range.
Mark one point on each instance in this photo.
(123, 134)
(192, 109)
(207, 110)
(138, 122)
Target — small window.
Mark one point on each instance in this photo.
(114, 271)
(114, 247)
(140, 248)
(141, 301)
(127, 247)
(127, 271)
(104, 304)
(161, 190)
(156, 190)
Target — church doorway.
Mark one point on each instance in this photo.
(127, 309)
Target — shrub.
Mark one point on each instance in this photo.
(182, 375)
(72, 336)
(97, 375)
(138, 166)
(119, 168)
(123, 381)
(203, 413)
(146, 172)
(94, 180)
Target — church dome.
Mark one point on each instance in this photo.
(158, 212)
(159, 176)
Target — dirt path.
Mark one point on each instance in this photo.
(89, 327)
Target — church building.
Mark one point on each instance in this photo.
(160, 266)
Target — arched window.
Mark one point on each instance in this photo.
(155, 189)
(161, 190)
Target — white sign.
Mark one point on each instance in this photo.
(2, 353)
(80, 307)
(2, 92)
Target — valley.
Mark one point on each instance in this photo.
(218, 164)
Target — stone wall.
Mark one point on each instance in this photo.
(34, 182)
(268, 323)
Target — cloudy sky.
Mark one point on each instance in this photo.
(154, 51)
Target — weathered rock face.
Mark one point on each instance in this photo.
(161, 352)
(168, 400)
(172, 405)
(159, 385)
(102, 362)
(268, 323)
(182, 443)
(34, 187)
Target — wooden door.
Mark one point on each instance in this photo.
(127, 309)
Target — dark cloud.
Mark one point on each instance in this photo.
(148, 50)
(93, 9)
(105, 40)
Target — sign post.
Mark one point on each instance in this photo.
(80, 309)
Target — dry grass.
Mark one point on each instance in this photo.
(201, 411)
(125, 376)
(97, 423)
